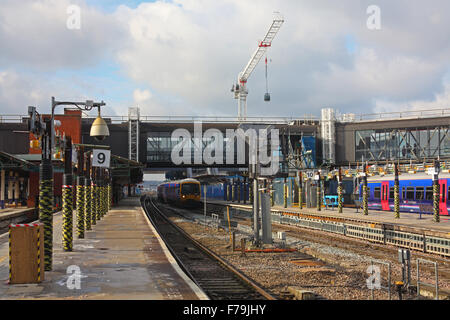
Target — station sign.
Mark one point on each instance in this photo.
(310, 174)
(101, 158)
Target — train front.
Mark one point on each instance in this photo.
(190, 194)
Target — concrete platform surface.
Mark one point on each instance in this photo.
(408, 220)
(121, 258)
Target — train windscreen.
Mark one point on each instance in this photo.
(190, 188)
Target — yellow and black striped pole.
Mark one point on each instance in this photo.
(97, 201)
(300, 190)
(436, 217)
(10, 253)
(285, 193)
(272, 196)
(80, 208)
(233, 191)
(102, 200)
(110, 196)
(365, 193)
(46, 209)
(319, 193)
(67, 217)
(244, 190)
(93, 204)
(340, 193)
(396, 193)
(67, 192)
(87, 203)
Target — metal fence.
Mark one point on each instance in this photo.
(420, 242)
(436, 284)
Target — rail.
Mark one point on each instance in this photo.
(211, 254)
(364, 230)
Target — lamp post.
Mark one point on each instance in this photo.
(45, 129)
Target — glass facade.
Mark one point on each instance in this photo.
(411, 143)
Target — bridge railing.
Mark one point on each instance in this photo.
(12, 118)
(216, 119)
(412, 114)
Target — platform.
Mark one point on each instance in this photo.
(121, 258)
(16, 215)
(407, 221)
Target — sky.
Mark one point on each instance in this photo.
(181, 57)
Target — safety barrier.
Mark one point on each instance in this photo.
(438, 245)
(369, 232)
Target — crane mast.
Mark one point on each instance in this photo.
(240, 89)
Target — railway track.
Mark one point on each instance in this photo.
(218, 279)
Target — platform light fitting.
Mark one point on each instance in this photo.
(99, 129)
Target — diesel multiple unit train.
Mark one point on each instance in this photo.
(181, 192)
(415, 190)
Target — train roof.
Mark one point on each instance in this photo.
(407, 176)
(180, 181)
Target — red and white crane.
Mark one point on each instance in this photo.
(240, 89)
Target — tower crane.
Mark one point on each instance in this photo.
(240, 88)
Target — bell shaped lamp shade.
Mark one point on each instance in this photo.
(99, 129)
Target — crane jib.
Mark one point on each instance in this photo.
(240, 92)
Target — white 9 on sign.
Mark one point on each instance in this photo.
(101, 158)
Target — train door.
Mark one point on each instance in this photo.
(385, 196)
(443, 197)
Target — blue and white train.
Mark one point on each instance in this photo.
(415, 190)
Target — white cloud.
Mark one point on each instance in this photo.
(34, 35)
(438, 101)
(184, 55)
(141, 95)
(193, 50)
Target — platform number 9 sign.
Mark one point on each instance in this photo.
(101, 158)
